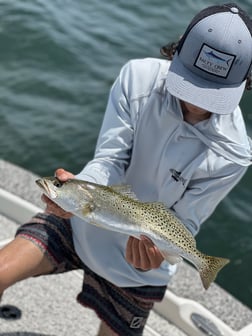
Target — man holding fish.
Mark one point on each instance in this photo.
(174, 133)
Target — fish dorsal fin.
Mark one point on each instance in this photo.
(125, 190)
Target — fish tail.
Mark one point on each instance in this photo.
(209, 269)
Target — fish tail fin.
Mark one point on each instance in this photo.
(210, 268)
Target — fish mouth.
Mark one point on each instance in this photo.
(44, 185)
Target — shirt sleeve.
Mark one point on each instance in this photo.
(113, 149)
(202, 196)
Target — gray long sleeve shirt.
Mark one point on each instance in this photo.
(144, 142)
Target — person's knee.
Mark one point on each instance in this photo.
(19, 260)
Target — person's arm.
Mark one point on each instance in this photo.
(113, 150)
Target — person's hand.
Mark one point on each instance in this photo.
(143, 254)
(53, 208)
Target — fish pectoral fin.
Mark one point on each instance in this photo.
(87, 209)
(171, 258)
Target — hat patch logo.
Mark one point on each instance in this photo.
(214, 61)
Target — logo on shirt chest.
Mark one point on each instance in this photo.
(177, 176)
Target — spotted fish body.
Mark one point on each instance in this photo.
(116, 208)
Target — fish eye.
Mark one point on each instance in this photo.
(57, 183)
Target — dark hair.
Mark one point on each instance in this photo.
(169, 50)
(249, 82)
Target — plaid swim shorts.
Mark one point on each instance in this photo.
(124, 310)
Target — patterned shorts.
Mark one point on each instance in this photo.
(125, 310)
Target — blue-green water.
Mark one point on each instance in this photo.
(58, 60)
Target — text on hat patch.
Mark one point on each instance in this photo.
(214, 61)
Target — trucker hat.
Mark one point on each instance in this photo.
(213, 59)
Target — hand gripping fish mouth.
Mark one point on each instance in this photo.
(116, 208)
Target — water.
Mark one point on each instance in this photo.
(58, 60)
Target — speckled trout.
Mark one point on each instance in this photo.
(116, 208)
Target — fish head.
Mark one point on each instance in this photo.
(69, 195)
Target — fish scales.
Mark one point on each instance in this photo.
(116, 208)
(152, 216)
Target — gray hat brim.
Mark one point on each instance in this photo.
(211, 96)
